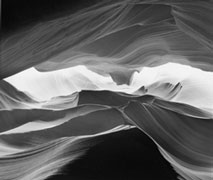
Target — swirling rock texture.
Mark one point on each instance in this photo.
(109, 89)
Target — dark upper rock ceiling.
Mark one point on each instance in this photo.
(114, 37)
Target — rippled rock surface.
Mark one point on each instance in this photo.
(108, 90)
